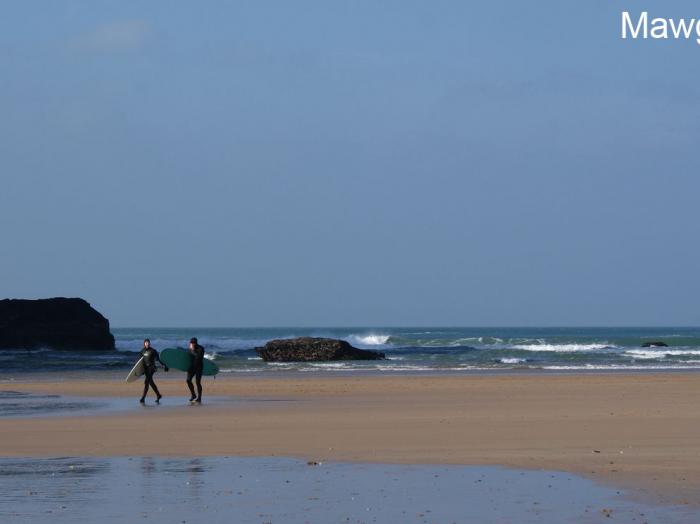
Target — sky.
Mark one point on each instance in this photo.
(363, 163)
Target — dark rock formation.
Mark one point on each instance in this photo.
(656, 344)
(308, 349)
(59, 323)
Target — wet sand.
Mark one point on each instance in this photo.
(274, 490)
(636, 431)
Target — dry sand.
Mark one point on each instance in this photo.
(638, 431)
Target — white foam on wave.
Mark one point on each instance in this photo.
(691, 364)
(561, 348)
(240, 370)
(370, 340)
(387, 368)
(513, 360)
(659, 353)
(488, 341)
(466, 341)
(621, 367)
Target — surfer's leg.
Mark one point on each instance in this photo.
(190, 374)
(146, 382)
(199, 385)
(155, 390)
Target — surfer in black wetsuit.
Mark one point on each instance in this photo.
(196, 370)
(150, 357)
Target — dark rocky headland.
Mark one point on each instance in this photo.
(58, 323)
(309, 349)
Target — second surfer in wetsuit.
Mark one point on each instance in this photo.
(150, 357)
(196, 370)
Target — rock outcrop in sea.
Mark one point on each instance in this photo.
(310, 349)
(655, 344)
(57, 323)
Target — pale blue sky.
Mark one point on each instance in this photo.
(350, 163)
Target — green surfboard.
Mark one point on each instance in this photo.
(177, 358)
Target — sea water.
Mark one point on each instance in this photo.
(407, 350)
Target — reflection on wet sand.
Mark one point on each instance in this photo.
(257, 490)
(41, 488)
(21, 404)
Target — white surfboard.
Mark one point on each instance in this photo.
(136, 371)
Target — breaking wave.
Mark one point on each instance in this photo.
(513, 360)
(661, 353)
(369, 340)
(562, 348)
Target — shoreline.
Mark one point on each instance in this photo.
(23, 377)
(636, 431)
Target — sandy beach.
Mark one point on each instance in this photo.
(636, 431)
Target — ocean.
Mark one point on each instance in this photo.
(408, 350)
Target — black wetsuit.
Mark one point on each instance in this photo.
(150, 357)
(195, 371)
